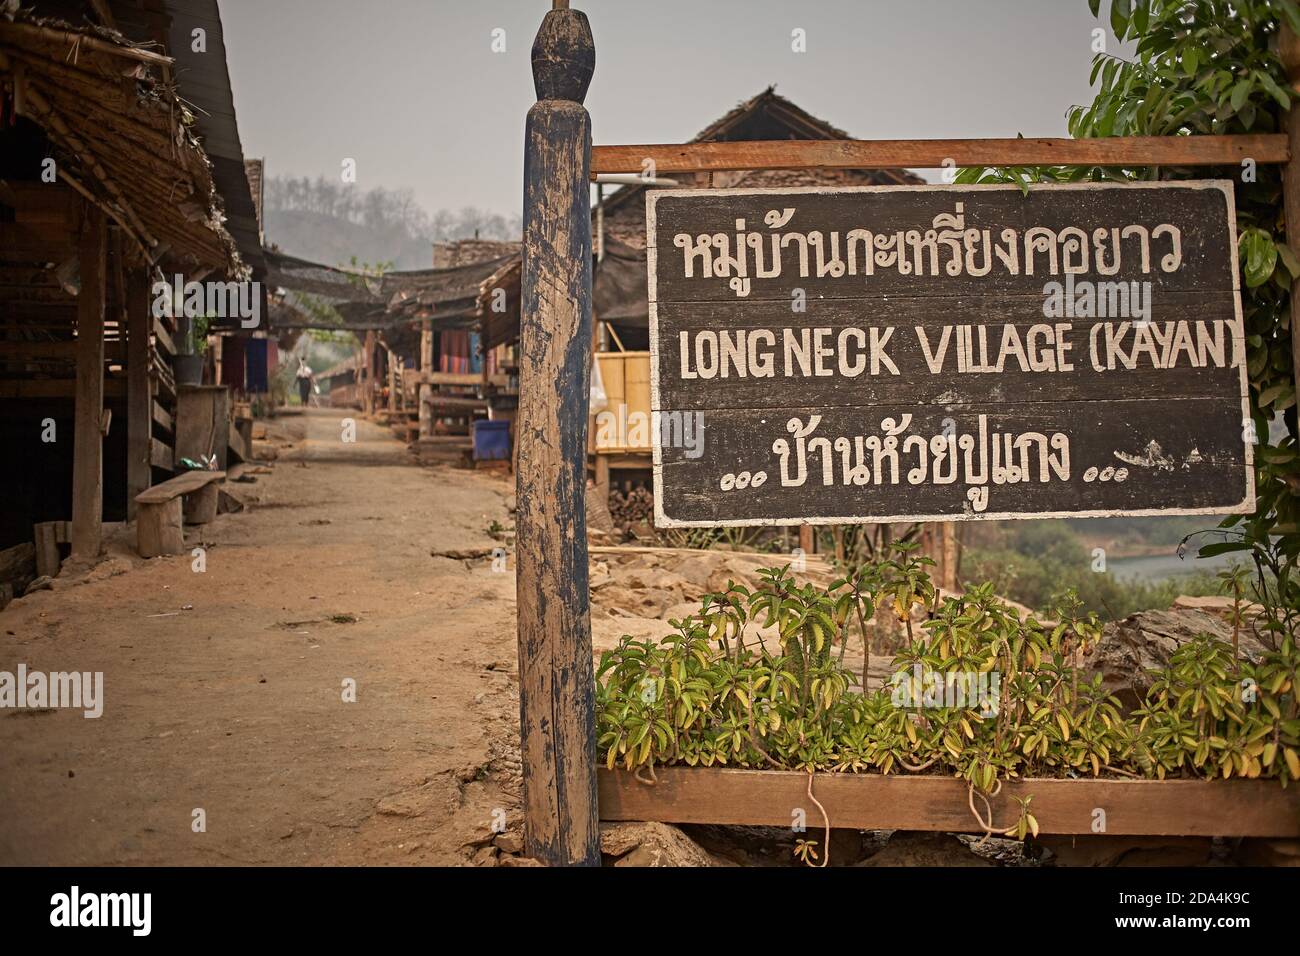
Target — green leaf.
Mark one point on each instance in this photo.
(1239, 94)
(1223, 547)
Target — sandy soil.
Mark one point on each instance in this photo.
(236, 705)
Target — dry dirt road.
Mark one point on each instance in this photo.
(224, 690)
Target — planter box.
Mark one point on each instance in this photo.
(1226, 808)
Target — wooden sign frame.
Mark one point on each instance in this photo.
(665, 520)
(554, 627)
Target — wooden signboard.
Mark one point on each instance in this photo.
(946, 352)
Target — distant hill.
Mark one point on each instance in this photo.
(332, 240)
(332, 222)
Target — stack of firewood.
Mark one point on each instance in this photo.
(631, 507)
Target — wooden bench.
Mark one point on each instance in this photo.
(158, 528)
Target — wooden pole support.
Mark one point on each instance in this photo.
(88, 447)
(1289, 50)
(139, 395)
(556, 681)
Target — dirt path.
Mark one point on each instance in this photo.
(236, 706)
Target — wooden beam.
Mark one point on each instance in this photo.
(88, 450)
(162, 419)
(556, 686)
(872, 801)
(161, 456)
(165, 343)
(139, 394)
(47, 388)
(933, 153)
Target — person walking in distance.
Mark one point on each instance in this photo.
(305, 381)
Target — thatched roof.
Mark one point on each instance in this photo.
(619, 285)
(122, 135)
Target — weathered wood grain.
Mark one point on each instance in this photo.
(556, 706)
(1194, 445)
(139, 396)
(934, 153)
(1131, 364)
(1226, 808)
(1203, 211)
(735, 384)
(88, 450)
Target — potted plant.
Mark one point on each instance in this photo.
(192, 342)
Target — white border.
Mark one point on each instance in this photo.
(662, 520)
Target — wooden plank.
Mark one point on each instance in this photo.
(556, 697)
(140, 405)
(186, 483)
(159, 529)
(33, 243)
(1125, 151)
(163, 419)
(47, 548)
(161, 455)
(946, 353)
(869, 801)
(165, 343)
(88, 448)
(202, 422)
(48, 388)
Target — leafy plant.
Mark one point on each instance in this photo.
(713, 693)
(1212, 67)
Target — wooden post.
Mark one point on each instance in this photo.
(368, 401)
(425, 390)
(139, 399)
(1289, 50)
(391, 357)
(88, 449)
(556, 682)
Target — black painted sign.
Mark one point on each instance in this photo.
(945, 353)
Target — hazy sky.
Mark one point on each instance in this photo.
(413, 92)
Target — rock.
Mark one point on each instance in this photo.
(109, 568)
(265, 451)
(512, 504)
(485, 856)
(697, 570)
(43, 583)
(636, 603)
(1216, 604)
(18, 566)
(518, 861)
(1256, 851)
(650, 844)
(910, 848)
(463, 554)
(599, 575)
(1102, 850)
(738, 570)
(680, 611)
(512, 841)
(1145, 641)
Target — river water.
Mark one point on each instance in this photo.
(1157, 567)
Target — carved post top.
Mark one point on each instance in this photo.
(564, 56)
(1288, 49)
